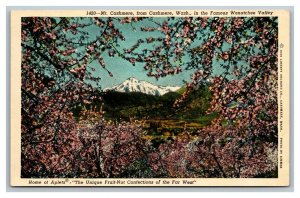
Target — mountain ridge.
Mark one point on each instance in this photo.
(134, 85)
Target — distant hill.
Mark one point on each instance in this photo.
(123, 105)
(196, 104)
(140, 105)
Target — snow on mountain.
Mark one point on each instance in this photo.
(134, 85)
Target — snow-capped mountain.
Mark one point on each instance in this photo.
(134, 85)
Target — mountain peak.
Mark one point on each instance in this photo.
(132, 79)
(134, 85)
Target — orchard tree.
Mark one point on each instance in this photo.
(237, 58)
(56, 57)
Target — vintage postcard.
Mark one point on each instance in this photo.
(150, 97)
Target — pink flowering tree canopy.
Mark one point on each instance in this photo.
(231, 59)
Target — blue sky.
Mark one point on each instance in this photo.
(122, 69)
